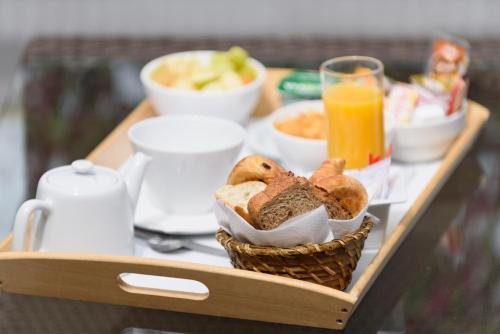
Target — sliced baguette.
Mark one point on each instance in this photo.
(285, 197)
(237, 196)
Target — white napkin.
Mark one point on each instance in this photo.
(311, 227)
(375, 178)
(340, 228)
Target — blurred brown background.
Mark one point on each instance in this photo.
(21, 20)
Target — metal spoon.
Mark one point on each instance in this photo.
(167, 244)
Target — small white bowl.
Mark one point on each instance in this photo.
(235, 104)
(426, 142)
(297, 152)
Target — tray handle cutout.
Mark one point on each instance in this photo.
(163, 286)
(113, 279)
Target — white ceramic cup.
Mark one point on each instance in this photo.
(191, 157)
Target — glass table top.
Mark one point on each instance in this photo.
(445, 277)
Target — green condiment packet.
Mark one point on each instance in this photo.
(301, 85)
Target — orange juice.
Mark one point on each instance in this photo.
(355, 122)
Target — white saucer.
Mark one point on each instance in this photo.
(149, 217)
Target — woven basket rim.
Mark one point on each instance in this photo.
(245, 248)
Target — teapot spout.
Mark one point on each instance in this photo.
(134, 175)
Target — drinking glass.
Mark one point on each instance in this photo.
(353, 96)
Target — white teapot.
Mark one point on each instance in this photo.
(83, 208)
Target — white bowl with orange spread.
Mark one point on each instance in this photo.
(296, 132)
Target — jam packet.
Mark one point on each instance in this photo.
(444, 82)
(449, 57)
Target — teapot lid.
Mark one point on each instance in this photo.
(82, 177)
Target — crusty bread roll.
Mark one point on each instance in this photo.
(237, 196)
(330, 167)
(333, 206)
(285, 197)
(266, 196)
(255, 168)
(345, 191)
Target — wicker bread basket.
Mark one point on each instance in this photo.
(330, 264)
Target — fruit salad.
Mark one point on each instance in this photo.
(224, 71)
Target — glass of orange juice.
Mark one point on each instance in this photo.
(354, 104)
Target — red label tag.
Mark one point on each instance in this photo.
(372, 158)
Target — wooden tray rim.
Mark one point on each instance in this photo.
(335, 307)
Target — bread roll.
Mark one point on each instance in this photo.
(255, 168)
(285, 197)
(237, 196)
(345, 191)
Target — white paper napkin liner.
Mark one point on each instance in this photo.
(311, 227)
(342, 227)
(375, 219)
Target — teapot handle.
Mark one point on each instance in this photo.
(22, 218)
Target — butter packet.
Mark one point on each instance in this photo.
(300, 85)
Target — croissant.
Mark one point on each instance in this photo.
(255, 168)
(328, 168)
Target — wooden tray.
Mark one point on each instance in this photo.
(232, 293)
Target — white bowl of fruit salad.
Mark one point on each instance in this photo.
(215, 83)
